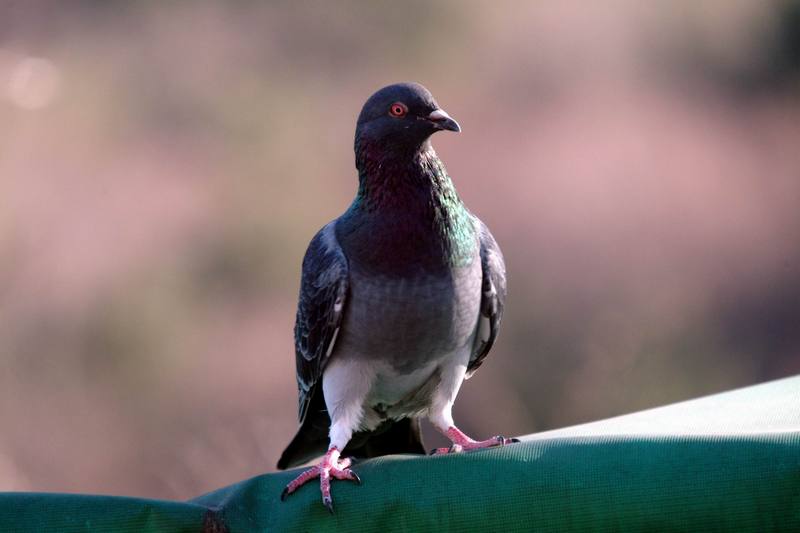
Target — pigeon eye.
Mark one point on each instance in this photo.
(398, 109)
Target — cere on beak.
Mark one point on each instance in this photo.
(442, 120)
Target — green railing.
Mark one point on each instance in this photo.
(728, 462)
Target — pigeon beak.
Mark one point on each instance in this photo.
(441, 120)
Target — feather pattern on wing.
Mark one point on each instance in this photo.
(493, 296)
(323, 294)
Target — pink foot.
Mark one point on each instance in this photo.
(462, 442)
(329, 466)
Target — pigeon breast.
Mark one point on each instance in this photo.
(410, 321)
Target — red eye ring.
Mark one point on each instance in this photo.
(398, 109)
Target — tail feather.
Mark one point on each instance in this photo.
(401, 436)
(311, 440)
(303, 448)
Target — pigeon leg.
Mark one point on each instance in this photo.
(344, 397)
(462, 442)
(330, 466)
(441, 415)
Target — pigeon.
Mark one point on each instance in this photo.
(401, 299)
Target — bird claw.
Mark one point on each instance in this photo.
(461, 442)
(329, 467)
(454, 448)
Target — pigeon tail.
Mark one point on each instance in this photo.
(402, 436)
(304, 447)
(311, 439)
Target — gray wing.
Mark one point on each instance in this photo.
(493, 296)
(323, 292)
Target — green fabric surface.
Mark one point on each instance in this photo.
(728, 462)
(45, 512)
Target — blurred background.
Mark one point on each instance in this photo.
(163, 167)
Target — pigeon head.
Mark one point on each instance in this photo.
(400, 118)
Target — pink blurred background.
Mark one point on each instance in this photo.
(163, 167)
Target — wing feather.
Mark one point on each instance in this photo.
(320, 308)
(493, 296)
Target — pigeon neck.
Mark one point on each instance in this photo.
(406, 179)
(411, 208)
